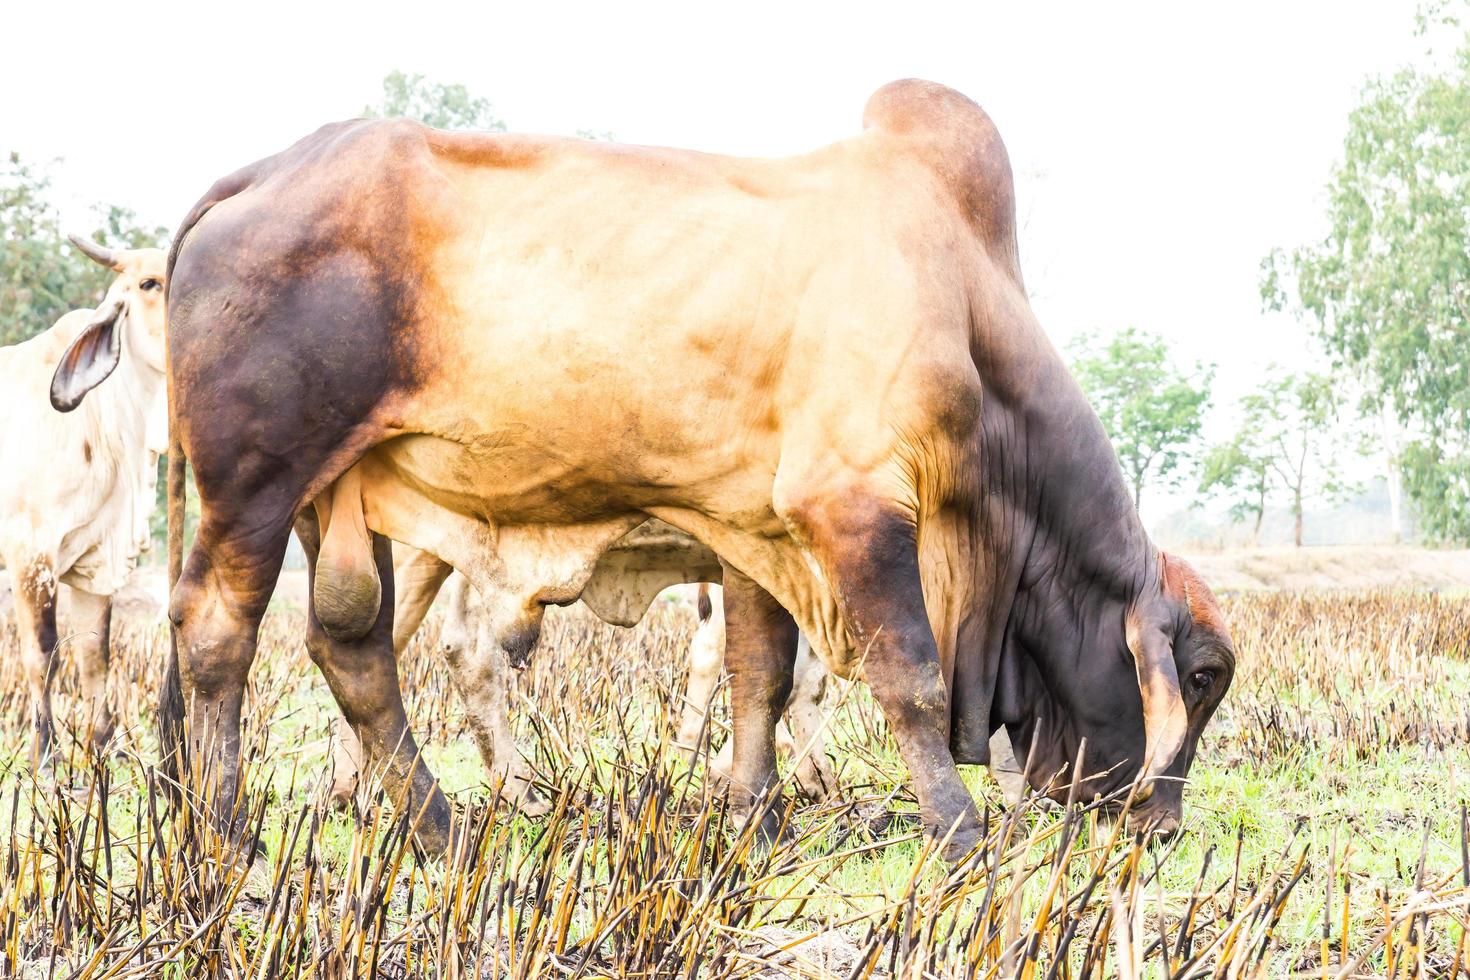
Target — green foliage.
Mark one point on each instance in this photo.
(1388, 288)
(433, 103)
(1151, 409)
(1240, 470)
(1290, 438)
(41, 275)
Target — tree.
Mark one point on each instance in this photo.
(1240, 470)
(41, 275)
(1290, 437)
(1388, 288)
(433, 103)
(1150, 408)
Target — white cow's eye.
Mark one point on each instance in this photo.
(148, 285)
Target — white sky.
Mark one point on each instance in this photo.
(1161, 148)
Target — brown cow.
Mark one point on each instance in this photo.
(510, 350)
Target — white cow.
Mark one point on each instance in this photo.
(77, 487)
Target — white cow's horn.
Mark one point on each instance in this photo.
(100, 254)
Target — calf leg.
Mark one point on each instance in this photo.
(33, 579)
(870, 554)
(363, 676)
(91, 646)
(804, 718)
(706, 658)
(760, 649)
(480, 669)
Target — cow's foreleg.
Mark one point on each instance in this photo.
(33, 578)
(868, 550)
(760, 649)
(91, 647)
(363, 676)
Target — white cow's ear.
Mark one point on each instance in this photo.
(90, 358)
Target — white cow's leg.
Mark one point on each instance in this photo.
(33, 579)
(480, 670)
(1005, 768)
(91, 646)
(814, 775)
(346, 764)
(706, 659)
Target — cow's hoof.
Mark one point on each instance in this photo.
(770, 832)
(957, 845)
(815, 782)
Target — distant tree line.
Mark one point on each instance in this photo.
(1385, 293)
(1291, 436)
(41, 275)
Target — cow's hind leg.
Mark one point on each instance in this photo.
(869, 551)
(417, 578)
(91, 648)
(760, 649)
(363, 676)
(216, 607)
(33, 579)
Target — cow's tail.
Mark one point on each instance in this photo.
(171, 695)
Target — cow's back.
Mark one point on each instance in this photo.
(535, 322)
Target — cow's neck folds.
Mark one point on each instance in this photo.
(1088, 558)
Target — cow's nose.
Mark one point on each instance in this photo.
(1159, 824)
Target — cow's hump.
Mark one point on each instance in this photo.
(958, 141)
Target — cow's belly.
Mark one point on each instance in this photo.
(530, 527)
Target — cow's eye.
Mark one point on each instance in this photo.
(149, 285)
(1201, 680)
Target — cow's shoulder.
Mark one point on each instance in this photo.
(957, 141)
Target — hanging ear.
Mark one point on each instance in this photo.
(90, 358)
(1165, 721)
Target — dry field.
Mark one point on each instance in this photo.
(1326, 832)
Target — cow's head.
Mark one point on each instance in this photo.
(1138, 686)
(130, 319)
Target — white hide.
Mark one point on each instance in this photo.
(78, 488)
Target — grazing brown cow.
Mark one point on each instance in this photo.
(508, 351)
